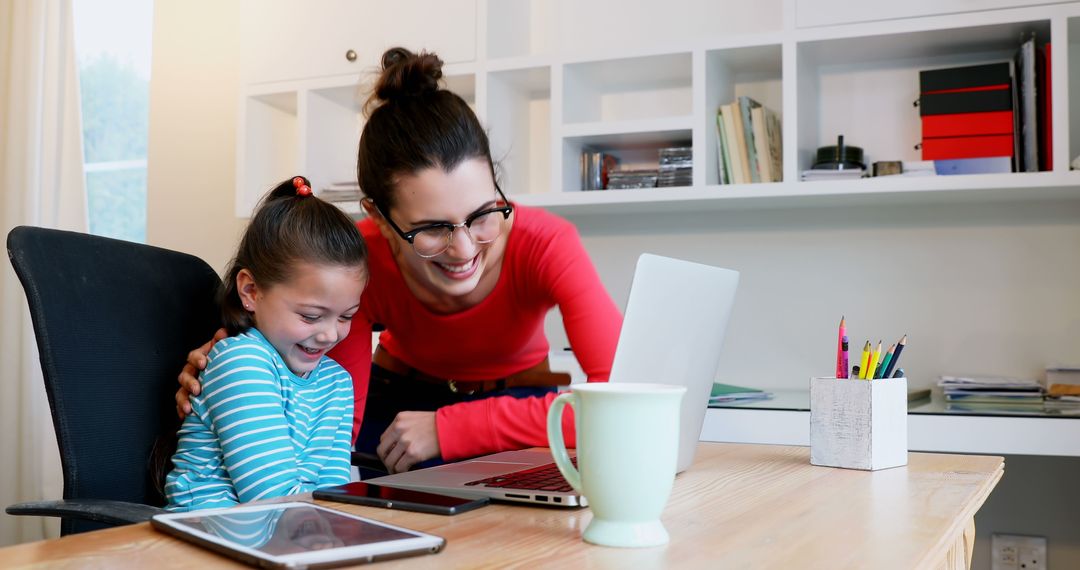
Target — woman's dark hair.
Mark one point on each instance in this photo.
(413, 125)
(288, 227)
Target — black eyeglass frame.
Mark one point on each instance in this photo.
(410, 235)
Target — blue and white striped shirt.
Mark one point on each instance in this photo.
(258, 431)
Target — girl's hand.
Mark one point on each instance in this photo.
(189, 376)
(410, 439)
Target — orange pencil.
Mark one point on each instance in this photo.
(874, 359)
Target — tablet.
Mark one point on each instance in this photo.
(295, 535)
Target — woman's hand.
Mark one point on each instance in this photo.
(410, 439)
(189, 376)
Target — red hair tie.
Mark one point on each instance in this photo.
(302, 189)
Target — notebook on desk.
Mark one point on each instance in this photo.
(674, 326)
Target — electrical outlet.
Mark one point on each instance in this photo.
(1018, 552)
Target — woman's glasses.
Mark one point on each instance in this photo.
(482, 227)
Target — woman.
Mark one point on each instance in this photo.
(460, 283)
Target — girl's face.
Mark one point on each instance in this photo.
(306, 316)
(467, 268)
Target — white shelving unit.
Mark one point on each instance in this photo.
(926, 432)
(546, 92)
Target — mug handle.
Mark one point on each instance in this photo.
(555, 439)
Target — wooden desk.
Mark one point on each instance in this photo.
(739, 506)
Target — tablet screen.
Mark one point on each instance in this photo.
(286, 531)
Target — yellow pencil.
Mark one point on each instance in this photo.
(865, 361)
(874, 359)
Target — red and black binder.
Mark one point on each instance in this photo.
(967, 112)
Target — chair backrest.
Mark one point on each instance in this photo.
(114, 322)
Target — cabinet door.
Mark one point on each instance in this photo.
(292, 39)
(810, 13)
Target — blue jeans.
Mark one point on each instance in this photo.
(390, 393)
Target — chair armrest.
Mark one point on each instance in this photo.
(98, 510)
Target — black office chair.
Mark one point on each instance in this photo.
(114, 322)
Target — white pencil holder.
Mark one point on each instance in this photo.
(858, 424)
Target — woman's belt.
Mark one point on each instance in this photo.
(539, 375)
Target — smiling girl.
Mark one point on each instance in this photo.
(275, 414)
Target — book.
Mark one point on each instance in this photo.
(1046, 116)
(734, 143)
(1063, 381)
(730, 393)
(761, 144)
(916, 394)
(944, 148)
(968, 124)
(746, 105)
(829, 174)
(723, 162)
(990, 165)
(954, 78)
(776, 144)
(983, 100)
(1026, 93)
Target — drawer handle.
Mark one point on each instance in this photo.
(350, 55)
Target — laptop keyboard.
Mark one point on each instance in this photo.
(541, 478)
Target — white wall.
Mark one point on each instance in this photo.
(988, 289)
(980, 289)
(192, 145)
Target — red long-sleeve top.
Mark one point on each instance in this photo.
(545, 266)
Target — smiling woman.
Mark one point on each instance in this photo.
(461, 281)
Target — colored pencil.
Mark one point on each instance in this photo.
(843, 357)
(875, 357)
(896, 356)
(865, 361)
(840, 349)
(885, 361)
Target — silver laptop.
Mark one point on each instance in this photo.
(672, 332)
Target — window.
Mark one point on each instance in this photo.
(112, 46)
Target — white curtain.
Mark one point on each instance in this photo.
(41, 184)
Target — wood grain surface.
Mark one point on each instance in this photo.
(739, 506)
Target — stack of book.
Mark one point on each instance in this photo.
(630, 179)
(344, 191)
(991, 392)
(988, 118)
(676, 167)
(1063, 389)
(600, 170)
(749, 146)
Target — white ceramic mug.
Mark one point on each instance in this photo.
(627, 446)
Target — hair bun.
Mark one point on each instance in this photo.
(406, 74)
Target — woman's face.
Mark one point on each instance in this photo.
(434, 195)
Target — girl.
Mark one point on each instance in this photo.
(275, 414)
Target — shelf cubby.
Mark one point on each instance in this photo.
(627, 89)
(633, 150)
(271, 128)
(864, 87)
(519, 119)
(333, 129)
(754, 71)
(462, 83)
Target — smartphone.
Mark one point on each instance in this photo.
(360, 493)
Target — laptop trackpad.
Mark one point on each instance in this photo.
(482, 468)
